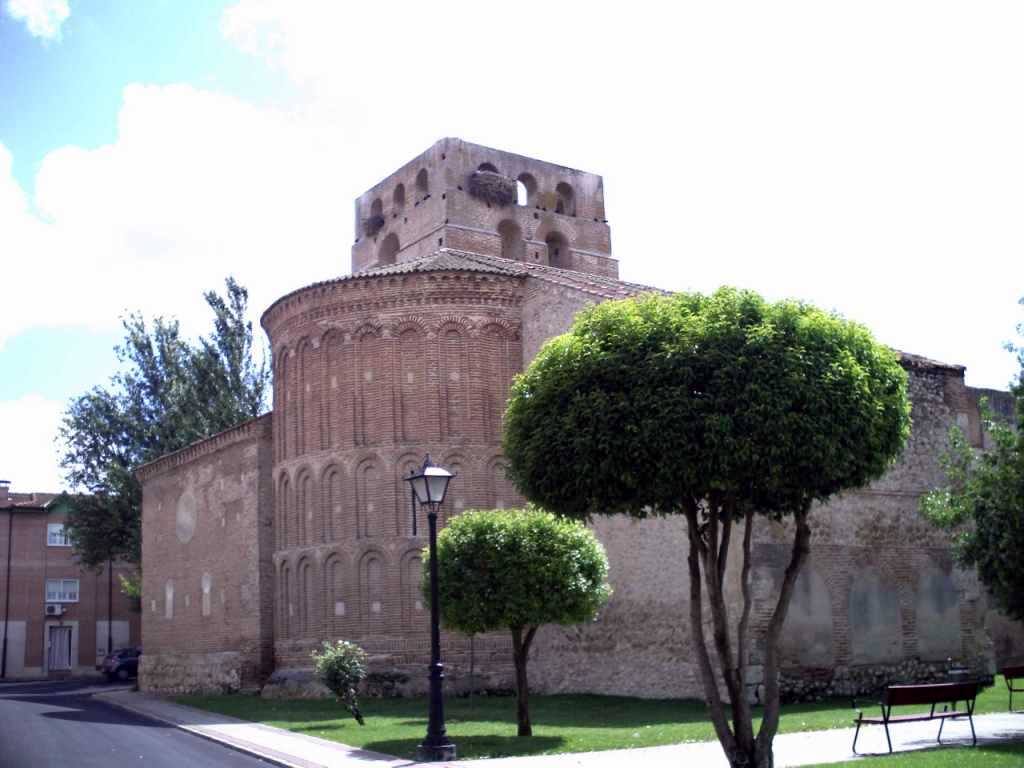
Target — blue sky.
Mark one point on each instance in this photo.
(863, 157)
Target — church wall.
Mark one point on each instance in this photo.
(207, 591)
(879, 599)
(371, 375)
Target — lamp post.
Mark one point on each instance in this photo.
(430, 485)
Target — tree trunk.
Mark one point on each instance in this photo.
(770, 719)
(521, 654)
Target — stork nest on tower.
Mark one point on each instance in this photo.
(492, 188)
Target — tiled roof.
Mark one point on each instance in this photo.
(449, 259)
(919, 361)
(28, 500)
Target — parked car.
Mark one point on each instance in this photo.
(122, 664)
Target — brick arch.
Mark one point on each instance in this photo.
(284, 586)
(304, 506)
(499, 358)
(373, 384)
(282, 508)
(370, 480)
(549, 224)
(333, 388)
(454, 379)
(403, 500)
(305, 583)
(304, 410)
(413, 356)
(337, 587)
(335, 524)
(458, 322)
(501, 493)
(373, 591)
(413, 607)
(367, 327)
(461, 490)
(415, 322)
(280, 373)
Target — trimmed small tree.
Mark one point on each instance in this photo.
(983, 505)
(718, 408)
(341, 666)
(517, 570)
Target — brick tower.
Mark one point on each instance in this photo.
(471, 198)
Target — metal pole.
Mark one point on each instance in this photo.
(437, 745)
(7, 585)
(110, 606)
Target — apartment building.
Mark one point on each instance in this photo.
(56, 618)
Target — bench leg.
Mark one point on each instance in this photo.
(974, 736)
(855, 735)
(942, 722)
(888, 740)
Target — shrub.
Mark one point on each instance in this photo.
(341, 666)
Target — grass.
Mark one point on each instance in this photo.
(987, 756)
(486, 727)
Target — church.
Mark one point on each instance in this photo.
(296, 527)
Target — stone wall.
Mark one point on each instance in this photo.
(192, 673)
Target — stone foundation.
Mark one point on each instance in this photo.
(191, 673)
(387, 680)
(804, 685)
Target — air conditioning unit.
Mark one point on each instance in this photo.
(54, 609)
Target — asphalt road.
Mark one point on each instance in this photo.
(60, 724)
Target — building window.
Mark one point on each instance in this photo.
(56, 536)
(62, 590)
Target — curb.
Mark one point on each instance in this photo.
(242, 747)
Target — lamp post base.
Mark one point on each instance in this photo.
(436, 753)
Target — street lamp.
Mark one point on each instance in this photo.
(429, 486)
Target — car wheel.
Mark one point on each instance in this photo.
(122, 673)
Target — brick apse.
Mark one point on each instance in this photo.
(260, 542)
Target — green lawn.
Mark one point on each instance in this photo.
(1001, 756)
(485, 726)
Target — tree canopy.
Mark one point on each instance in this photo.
(169, 393)
(983, 504)
(517, 570)
(718, 407)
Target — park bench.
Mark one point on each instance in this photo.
(1012, 674)
(933, 695)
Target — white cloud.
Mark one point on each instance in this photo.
(864, 158)
(197, 186)
(28, 452)
(42, 17)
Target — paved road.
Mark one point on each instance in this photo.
(60, 724)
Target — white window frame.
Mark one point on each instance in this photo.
(61, 591)
(57, 535)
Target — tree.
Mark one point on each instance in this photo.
(169, 394)
(719, 408)
(983, 504)
(517, 569)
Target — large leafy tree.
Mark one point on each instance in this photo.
(719, 408)
(517, 570)
(169, 393)
(983, 504)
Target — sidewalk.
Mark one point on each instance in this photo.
(793, 749)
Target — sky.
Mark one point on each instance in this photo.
(866, 157)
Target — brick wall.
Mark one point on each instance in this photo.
(33, 561)
(207, 519)
(371, 375)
